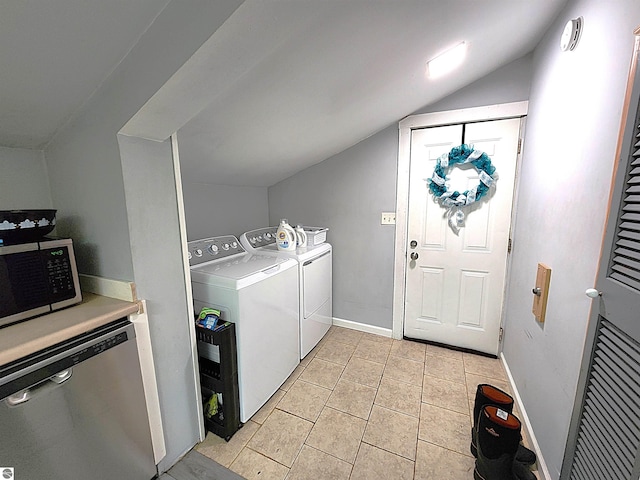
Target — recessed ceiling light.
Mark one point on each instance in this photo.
(447, 61)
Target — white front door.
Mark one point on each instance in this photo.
(455, 287)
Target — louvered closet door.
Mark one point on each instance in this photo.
(604, 436)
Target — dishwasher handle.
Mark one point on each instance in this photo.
(39, 389)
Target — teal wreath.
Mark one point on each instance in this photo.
(454, 199)
(457, 156)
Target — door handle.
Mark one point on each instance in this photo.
(592, 293)
(414, 256)
(38, 390)
(413, 244)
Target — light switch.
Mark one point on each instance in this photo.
(541, 292)
(388, 218)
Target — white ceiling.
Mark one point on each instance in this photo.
(54, 54)
(280, 86)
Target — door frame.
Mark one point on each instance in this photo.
(405, 126)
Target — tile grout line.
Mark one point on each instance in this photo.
(387, 358)
(323, 407)
(388, 451)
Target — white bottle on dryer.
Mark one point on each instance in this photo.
(286, 237)
(301, 236)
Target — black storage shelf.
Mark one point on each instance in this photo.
(221, 378)
(210, 369)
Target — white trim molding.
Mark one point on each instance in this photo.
(465, 115)
(107, 287)
(362, 327)
(149, 381)
(187, 276)
(543, 471)
(405, 126)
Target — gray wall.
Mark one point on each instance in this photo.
(574, 117)
(88, 188)
(213, 210)
(24, 183)
(83, 160)
(349, 191)
(148, 169)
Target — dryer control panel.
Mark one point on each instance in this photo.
(261, 237)
(213, 248)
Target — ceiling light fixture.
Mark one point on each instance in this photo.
(447, 61)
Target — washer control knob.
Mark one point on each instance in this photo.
(189, 255)
(213, 249)
(267, 235)
(225, 246)
(197, 252)
(234, 245)
(259, 238)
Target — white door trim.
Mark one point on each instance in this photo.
(187, 276)
(476, 114)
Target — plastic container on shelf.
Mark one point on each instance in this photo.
(315, 235)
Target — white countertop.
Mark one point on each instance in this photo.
(30, 336)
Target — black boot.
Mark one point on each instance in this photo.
(498, 437)
(490, 395)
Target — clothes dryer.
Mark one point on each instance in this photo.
(315, 282)
(259, 293)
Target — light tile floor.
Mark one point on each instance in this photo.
(363, 406)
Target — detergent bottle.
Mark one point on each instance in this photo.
(301, 236)
(286, 236)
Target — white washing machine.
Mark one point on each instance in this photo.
(315, 279)
(259, 293)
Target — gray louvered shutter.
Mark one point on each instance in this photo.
(609, 433)
(625, 264)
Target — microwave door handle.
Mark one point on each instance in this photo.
(38, 390)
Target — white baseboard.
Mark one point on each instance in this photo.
(362, 327)
(543, 471)
(107, 287)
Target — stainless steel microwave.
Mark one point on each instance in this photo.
(37, 278)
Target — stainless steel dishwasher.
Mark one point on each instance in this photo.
(77, 410)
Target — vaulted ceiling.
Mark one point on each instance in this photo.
(280, 86)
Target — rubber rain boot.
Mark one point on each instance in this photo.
(490, 395)
(498, 439)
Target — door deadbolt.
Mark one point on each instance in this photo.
(414, 256)
(413, 244)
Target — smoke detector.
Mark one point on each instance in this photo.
(571, 34)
